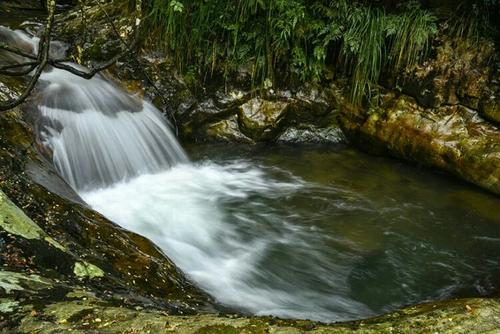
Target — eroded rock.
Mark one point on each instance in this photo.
(262, 119)
(452, 138)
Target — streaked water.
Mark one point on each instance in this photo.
(327, 234)
(98, 134)
(321, 233)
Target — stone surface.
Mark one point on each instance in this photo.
(79, 311)
(228, 131)
(57, 238)
(312, 134)
(262, 119)
(490, 108)
(458, 74)
(452, 138)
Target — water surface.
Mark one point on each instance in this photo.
(314, 232)
(325, 233)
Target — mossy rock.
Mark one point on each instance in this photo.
(227, 130)
(78, 311)
(490, 109)
(55, 233)
(451, 138)
(262, 119)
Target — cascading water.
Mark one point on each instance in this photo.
(254, 236)
(99, 135)
(111, 147)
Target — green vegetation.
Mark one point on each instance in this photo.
(471, 20)
(297, 39)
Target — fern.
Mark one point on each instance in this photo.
(292, 36)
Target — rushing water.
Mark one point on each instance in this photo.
(327, 234)
(321, 233)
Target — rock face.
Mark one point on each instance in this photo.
(459, 73)
(82, 312)
(65, 241)
(301, 116)
(452, 138)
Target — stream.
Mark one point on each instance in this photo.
(319, 232)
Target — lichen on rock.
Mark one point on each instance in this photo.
(14, 221)
(85, 269)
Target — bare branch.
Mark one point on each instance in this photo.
(19, 73)
(42, 58)
(86, 74)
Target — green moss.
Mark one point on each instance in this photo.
(8, 305)
(12, 281)
(218, 329)
(85, 269)
(14, 221)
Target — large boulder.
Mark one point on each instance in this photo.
(262, 119)
(453, 138)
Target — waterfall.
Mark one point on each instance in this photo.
(99, 135)
(119, 154)
(254, 236)
(95, 133)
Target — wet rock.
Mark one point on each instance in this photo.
(490, 109)
(227, 130)
(64, 240)
(457, 74)
(312, 134)
(262, 119)
(489, 105)
(79, 311)
(452, 138)
(85, 269)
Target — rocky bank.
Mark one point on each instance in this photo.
(444, 113)
(65, 267)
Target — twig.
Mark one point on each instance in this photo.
(42, 58)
